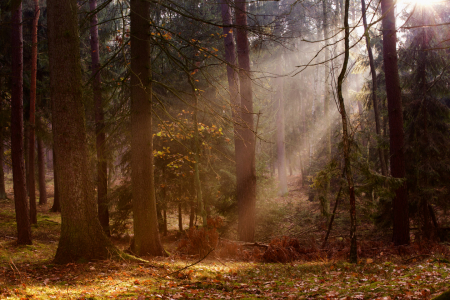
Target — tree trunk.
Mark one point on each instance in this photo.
(82, 237)
(180, 217)
(395, 113)
(428, 231)
(197, 182)
(376, 108)
(145, 222)
(102, 171)
(241, 145)
(2, 173)
(305, 151)
(41, 171)
(26, 149)
(246, 177)
(281, 147)
(346, 142)
(192, 214)
(2, 150)
(32, 140)
(56, 203)
(165, 219)
(326, 107)
(17, 151)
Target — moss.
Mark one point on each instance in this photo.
(444, 296)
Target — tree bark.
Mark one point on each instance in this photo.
(26, 149)
(82, 237)
(2, 150)
(246, 185)
(102, 169)
(2, 173)
(17, 151)
(41, 171)
(56, 203)
(376, 107)
(32, 140)
(145, 223)
(180, 217)
(346, 141)
(240, 146)
(395, 113)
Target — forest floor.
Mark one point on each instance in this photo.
(27, 272)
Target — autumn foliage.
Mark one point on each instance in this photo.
(202, 240)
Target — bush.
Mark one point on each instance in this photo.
(201, 241)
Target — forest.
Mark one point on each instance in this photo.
(231, 149)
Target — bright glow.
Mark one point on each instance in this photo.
(421, 2)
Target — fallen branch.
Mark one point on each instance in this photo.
(255, 245)
(188, 266)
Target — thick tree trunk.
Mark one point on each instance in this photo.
(281, 147)
(346, 141)
(32, 140)
(102, 171)
(41, 171)
(246, 185)
(376, 107)
(235, 97)
(241, 145)
(17, 151)
(82, 236)
(56, 203)
(145, 223)
(395, 113)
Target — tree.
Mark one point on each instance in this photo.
(56, 207)
(2, 150)
(395, 114)
(424, 80)
(376, 108)
(281, 147)
(235, 100)
(82, 237)
(326, 105)
(41, 169)
(102, 180)
(145, 222)
(346, 141)
(32, 130)
(246, 178)
(20, 193)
